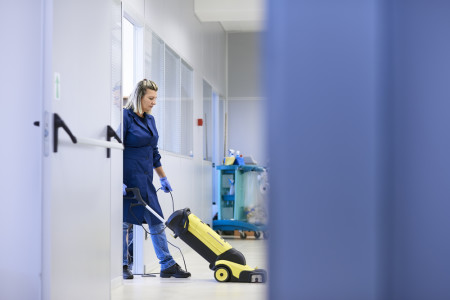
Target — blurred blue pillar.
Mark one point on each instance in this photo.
(358, 117)
(420, 245)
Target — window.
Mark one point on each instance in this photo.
(207, 118)
(132, 55)
(174, 110)
(187, 109)
(155, 72)
(128, 44)
(172, 106)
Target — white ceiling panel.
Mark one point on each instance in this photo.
(244, 26)
(234, 15)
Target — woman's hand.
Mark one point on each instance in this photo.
(165, 185)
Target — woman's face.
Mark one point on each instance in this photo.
(148, 100)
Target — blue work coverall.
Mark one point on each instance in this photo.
(140, 156)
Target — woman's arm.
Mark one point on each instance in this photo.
(159, 170)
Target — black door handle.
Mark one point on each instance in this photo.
(58, 122)
(109, 134)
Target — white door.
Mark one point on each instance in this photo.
(78, 197)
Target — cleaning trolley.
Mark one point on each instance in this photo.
(227, 263)
(233, 211)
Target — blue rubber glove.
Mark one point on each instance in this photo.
(124, 187)
(165, 185)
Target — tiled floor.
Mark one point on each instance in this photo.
(202, 284)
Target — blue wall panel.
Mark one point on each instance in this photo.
(358, 121)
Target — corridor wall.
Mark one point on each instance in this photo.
(21, 149)
(203, 47)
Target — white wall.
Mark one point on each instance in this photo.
(203, 47)
(244, 65)
(20, 153)
(246, 128)
(246, 107)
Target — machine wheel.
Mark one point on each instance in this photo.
(242, 234)
(257, 234)
(222, 274)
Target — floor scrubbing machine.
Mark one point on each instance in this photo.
(227, 263)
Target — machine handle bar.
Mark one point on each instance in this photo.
(137, 196)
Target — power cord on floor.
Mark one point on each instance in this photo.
(173, 210)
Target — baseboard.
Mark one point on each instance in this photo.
(116, 282)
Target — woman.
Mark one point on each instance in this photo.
(140, 157)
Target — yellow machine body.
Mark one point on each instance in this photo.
(207, 236)
(228, 263)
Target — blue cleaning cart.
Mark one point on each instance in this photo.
(232, 213)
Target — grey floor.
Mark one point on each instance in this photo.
(202, 284)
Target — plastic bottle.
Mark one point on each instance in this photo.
(231, 191)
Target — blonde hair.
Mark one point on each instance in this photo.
(134, 101)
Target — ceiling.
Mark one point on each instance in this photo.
(234, 15)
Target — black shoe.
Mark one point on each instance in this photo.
(127, 273)
(174, 271)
